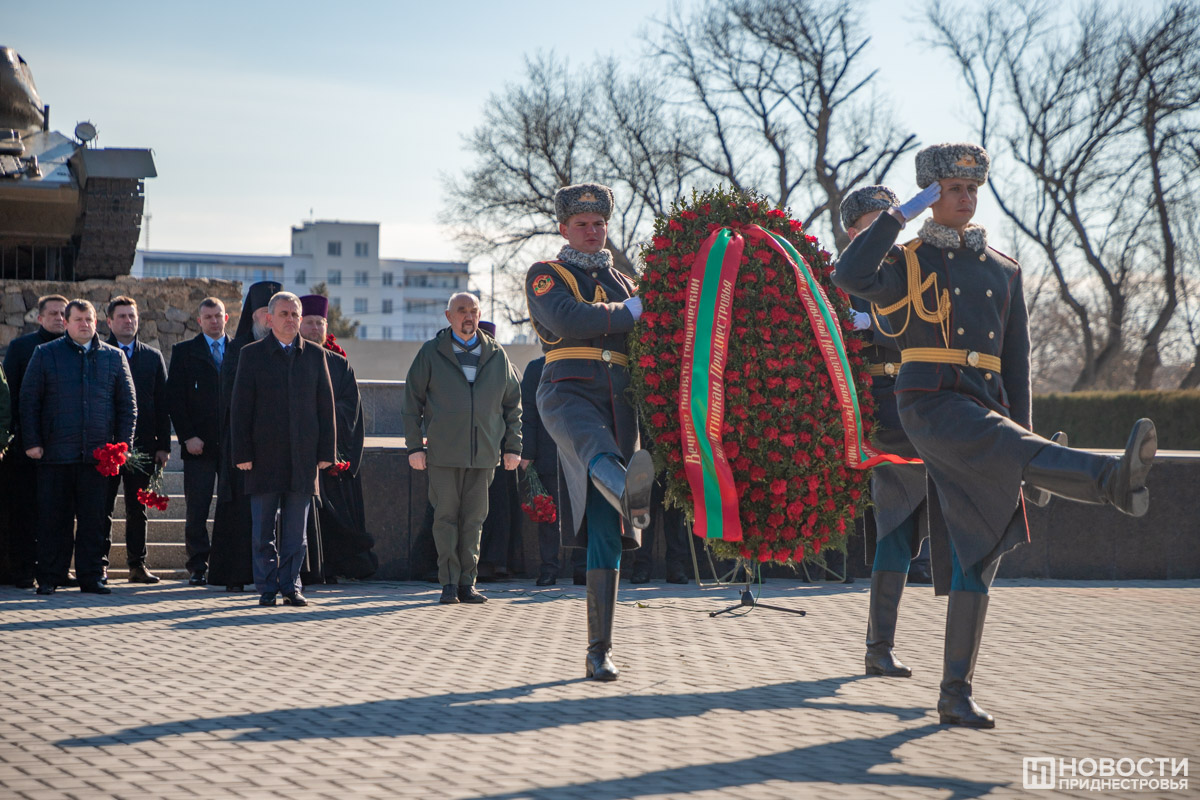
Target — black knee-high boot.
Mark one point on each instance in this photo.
(627, 489)
(1089, 478)
(886, 589)
(601, 606)
(1040, 497)
(965, 615)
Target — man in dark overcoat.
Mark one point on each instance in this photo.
(194, 398)
(340, 526)
(957, 310)
(284, 433)
(582, 309)
(152, 434)
(231, 562)
(20, 521)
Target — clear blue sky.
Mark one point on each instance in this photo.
(260, 111)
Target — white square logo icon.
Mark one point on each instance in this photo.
(1038, 773)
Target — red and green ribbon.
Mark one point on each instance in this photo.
(709, 313)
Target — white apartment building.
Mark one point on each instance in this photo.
(389, 298)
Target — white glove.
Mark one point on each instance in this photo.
(634, 304)
(862, 321)
(921, 201)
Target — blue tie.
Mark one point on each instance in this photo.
(216, 353)
(128, 351)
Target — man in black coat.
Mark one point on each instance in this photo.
(77, 396)
(539, 452)
(283, 433)
(340, 526)
(194, 399)
(152, 434)
(20, 473)
(230, 562)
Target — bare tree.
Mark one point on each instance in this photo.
(1096, 117)
(779, 94)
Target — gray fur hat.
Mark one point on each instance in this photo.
(952, 160)
(583, 198)
(864, 201)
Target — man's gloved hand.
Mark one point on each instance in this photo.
(862, 320)
(634, 304)
(921, 201)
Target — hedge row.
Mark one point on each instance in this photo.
(1103, 419)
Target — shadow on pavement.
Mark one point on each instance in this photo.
(479, 713)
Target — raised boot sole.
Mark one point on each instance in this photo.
(639, 484)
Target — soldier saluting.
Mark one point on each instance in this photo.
(583, 309)
(957, 310)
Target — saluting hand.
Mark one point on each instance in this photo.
(921, 201)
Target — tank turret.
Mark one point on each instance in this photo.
(68, 210)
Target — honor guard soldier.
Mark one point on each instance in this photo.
(583, 309)
(957, 311)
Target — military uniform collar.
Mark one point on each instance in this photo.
(600, 260)
(974, 237)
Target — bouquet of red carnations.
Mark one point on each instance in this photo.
(540, 507)
(151, 496)
(338, 467)
(111, 457)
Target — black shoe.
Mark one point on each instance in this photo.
(676, 574)
(94, 588)
(294, 599)
(449, 594)
(267, 599)
(71, 582)
(579, 578)
(24, 583)
(468, 594)
(547, 579)
(139, 574)
(640, 575)
(235, 587)
(46, 589)
(199, 578)
(331, 580)
(919, 573)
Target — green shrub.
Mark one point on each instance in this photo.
(1103, 419)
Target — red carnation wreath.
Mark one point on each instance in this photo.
(794, 487)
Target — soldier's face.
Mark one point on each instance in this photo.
(585, 232)
(313, 328)
(956, 207)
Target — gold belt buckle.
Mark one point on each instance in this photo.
(889, 368)
(973, 358)
(606, 355)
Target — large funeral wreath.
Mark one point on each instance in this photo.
(784, 429)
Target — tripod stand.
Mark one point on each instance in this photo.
(752, 570)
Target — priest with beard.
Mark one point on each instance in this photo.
(230, 561)
(338, 541)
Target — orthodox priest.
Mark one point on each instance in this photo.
(338, 531)
(582, 309)
(957, 311)
(230, 562)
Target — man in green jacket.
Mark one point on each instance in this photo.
(463, 395)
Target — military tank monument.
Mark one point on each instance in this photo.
(69, 211)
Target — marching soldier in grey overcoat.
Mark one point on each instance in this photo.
(957, 310)
(582, 309)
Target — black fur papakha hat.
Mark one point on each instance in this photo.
(864, 201)
(583, 198)
(960, 160)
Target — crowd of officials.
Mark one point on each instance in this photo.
(279, 443)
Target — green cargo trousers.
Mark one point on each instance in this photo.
(459, 497)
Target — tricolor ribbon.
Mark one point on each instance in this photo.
(709, 314)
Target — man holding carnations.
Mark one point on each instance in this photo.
(583, 310)
(77, 397)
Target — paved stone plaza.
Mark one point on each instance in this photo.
(377, 691)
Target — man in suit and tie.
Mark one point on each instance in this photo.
(194, 398)
(152, 433)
